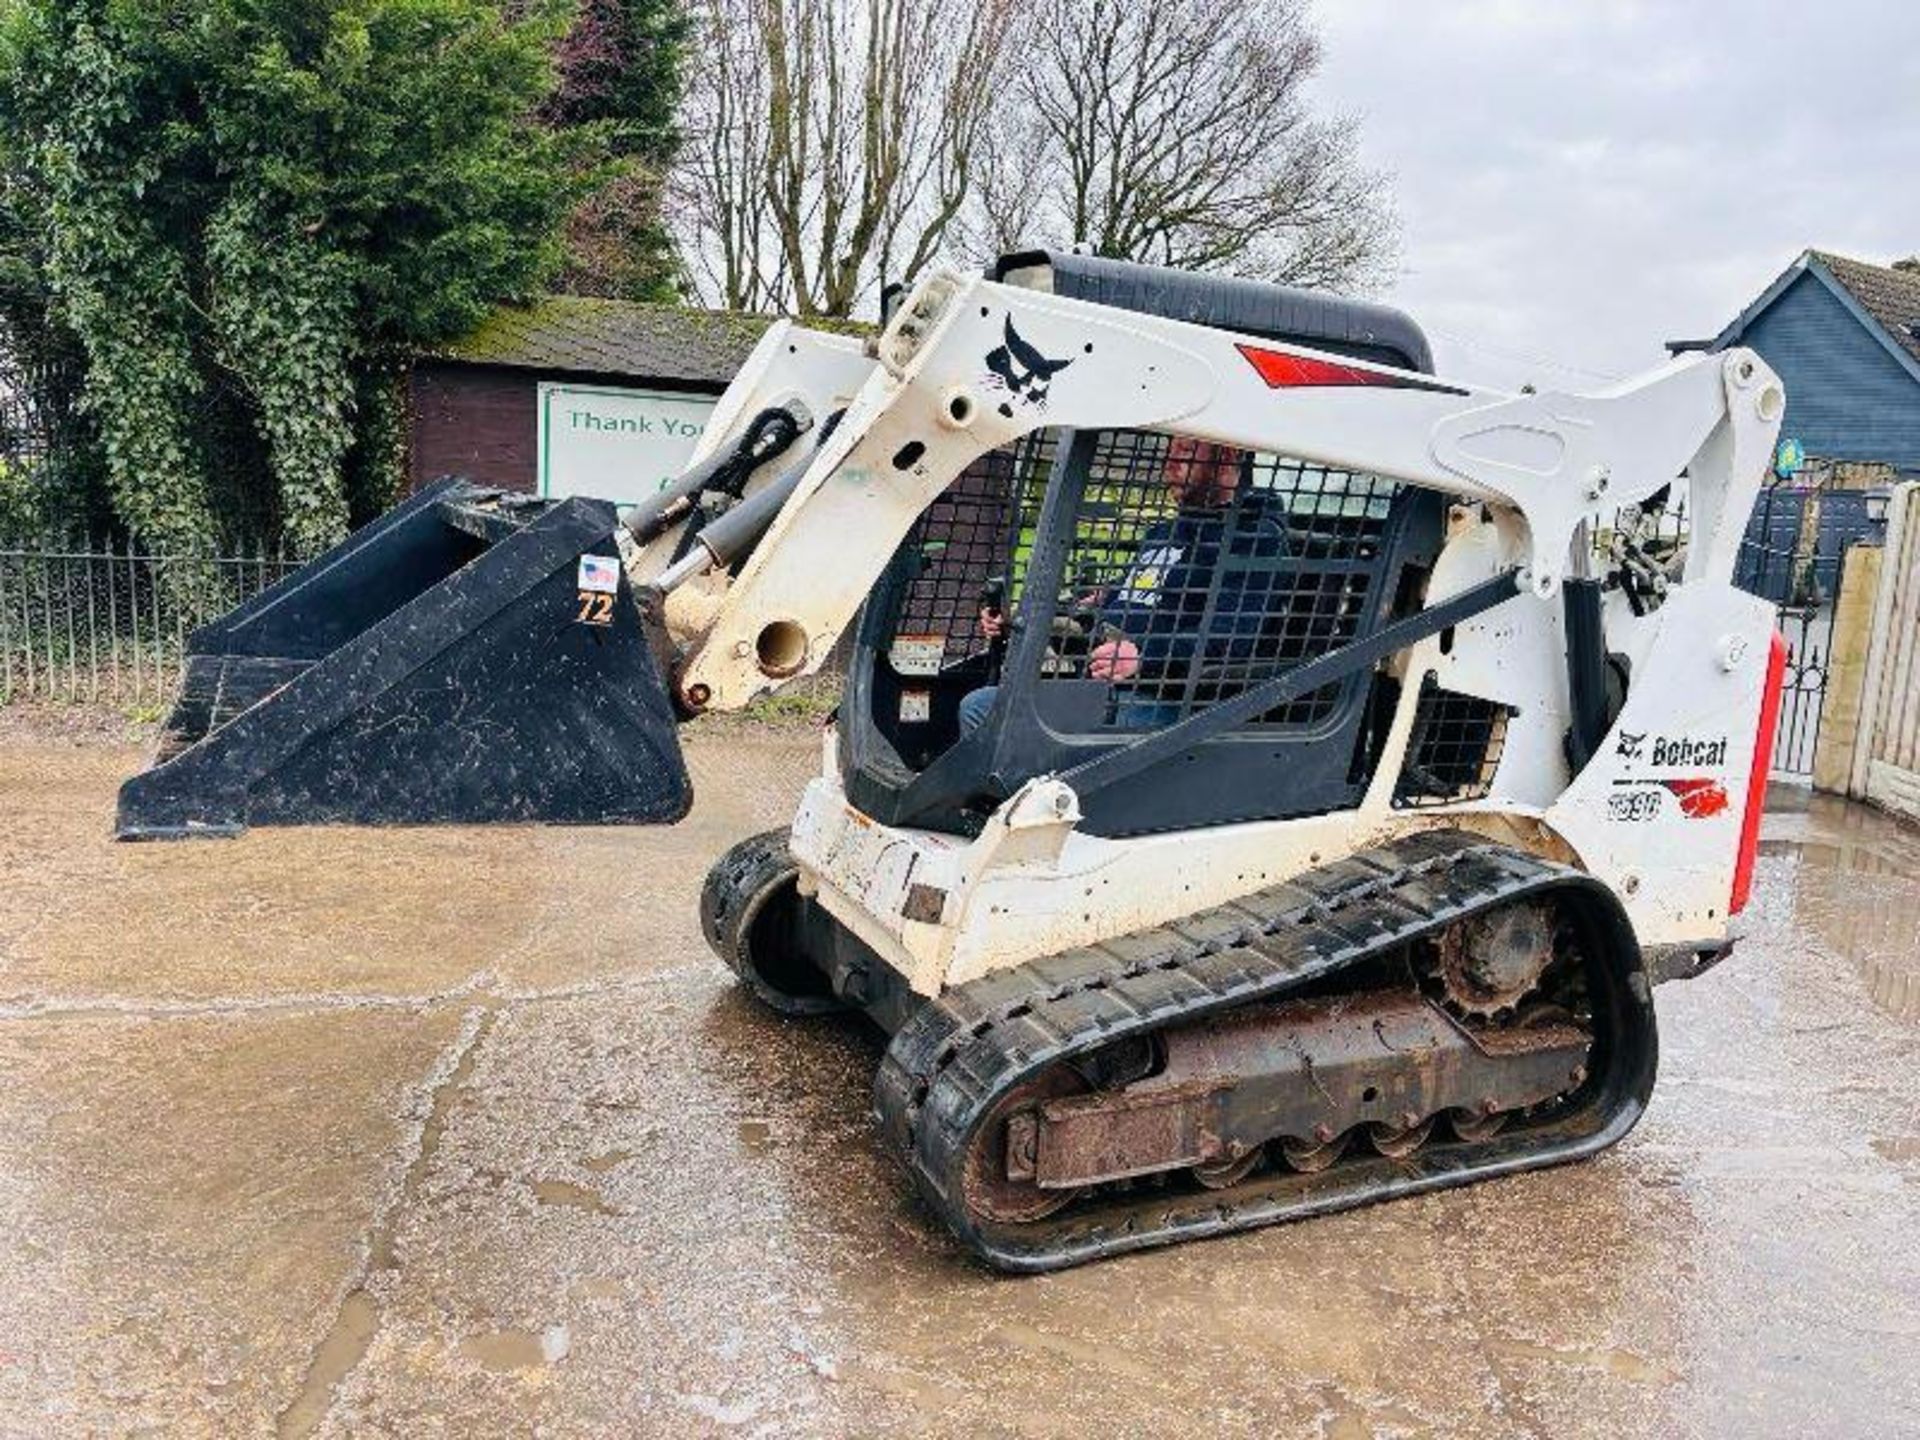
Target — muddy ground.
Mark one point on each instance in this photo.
(464, 1132)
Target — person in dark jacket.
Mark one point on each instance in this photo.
(1162, 607)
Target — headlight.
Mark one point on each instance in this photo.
(916, 319)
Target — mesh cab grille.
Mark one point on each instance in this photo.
(981, 527)
(1454, 750)
(1196, 571)
(1191, 572)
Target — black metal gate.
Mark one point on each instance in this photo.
(1793, 554)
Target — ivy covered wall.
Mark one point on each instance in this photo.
(249, 214)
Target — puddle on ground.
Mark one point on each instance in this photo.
(600, 1164)
(1855, 889)
(504, 1351)
(928, 1395)
(572, 1197)
(1624, 1363)
(351, 1336)
(340, 1353)
(755, 1134)
(1899, 1148)
(1114, 1359)
(1345, 1418)
(1893, 986)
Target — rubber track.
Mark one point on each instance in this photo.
(740, 882)
(950, 1064)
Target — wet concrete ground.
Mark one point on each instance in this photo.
(463, 1132)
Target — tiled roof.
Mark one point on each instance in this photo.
(1890, 296)
(576, 335)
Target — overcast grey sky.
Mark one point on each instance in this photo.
(1580, 180)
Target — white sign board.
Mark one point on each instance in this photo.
(619, 445)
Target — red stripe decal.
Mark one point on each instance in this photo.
(1757, 776)
(1699, 798)
(1282, 371)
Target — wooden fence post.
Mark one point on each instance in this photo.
(1847, 651)
(1889, 712)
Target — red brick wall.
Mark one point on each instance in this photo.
(475, 422)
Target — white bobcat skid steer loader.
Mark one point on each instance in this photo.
(1269, 778)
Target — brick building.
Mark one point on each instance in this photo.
(478, 404)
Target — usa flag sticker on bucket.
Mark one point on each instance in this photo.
(599, 574)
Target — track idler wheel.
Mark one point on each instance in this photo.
(999, 1183)
(750, 910)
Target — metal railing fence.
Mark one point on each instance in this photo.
(91, 626)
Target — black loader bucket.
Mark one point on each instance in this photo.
(471, 657)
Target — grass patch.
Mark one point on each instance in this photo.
(810, 707)
(801, 707)
(77, 721)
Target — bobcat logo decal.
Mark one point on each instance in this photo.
(1629, 746)
(1020, 370)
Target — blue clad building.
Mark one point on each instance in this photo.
(1845, 337)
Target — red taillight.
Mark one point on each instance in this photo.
(1757, 776)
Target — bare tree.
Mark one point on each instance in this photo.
(717, 195)
(1178, 132)
(833, 143)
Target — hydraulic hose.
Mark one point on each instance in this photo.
(769, 434)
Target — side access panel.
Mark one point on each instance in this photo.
(444, 665)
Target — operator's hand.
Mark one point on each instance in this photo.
(993, 623)
(1117, 659)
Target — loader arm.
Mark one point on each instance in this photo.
(968, 365)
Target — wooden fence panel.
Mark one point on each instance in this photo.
(1886, 752)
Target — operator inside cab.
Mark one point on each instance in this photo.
(1167, 624)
